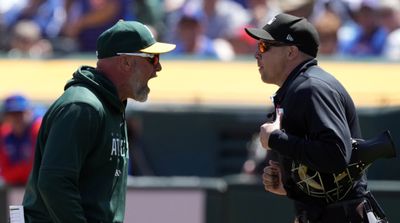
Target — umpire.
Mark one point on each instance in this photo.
(309, 143)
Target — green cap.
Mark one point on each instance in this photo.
(129, 37)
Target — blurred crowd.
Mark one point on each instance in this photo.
(19, 127)
(204, 28)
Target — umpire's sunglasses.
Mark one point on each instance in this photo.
(154, 59)
(264, 46)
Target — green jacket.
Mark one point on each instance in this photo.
(81, 160)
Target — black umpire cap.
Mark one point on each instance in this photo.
(289, 29)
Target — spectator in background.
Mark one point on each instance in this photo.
(243, 3)
(241, 43)
(46, 15)
(327, 25)
(339, 7)
(389, 14)
(299, 8)
(26, 40)
(151, 13)
(261, 11)
(86, 19)
(18, 131)
(364, 36)
(221, 18)
(190, 38)
(49, 15)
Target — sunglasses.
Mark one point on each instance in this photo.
(265, 46)
(154, 59)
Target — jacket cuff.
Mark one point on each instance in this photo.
(279, 141)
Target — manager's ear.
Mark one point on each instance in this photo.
(126, 62)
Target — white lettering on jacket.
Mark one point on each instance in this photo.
(118, 146)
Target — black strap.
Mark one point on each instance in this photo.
(375, 206)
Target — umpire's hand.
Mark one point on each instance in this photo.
(272, 178)
(267, 128)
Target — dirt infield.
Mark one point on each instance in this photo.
(205, 82)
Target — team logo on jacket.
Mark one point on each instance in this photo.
(119, 146)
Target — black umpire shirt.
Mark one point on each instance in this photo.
(319, 120)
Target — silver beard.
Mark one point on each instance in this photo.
(141, 93)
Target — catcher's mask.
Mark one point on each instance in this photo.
(335, 186)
